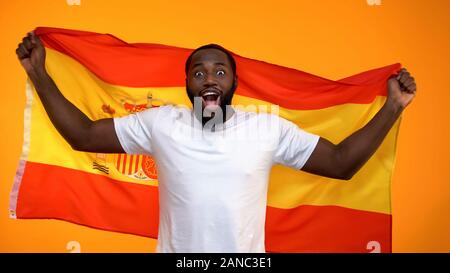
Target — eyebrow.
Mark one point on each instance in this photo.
(200, 64)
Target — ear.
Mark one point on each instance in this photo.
(235, 82)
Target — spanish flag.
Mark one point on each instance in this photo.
(106, 77)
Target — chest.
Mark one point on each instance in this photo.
(231, 151)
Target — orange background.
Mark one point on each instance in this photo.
(329, 38)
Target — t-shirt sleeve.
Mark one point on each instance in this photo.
(295, 145)
(134, 131)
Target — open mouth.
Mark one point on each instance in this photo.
(211, 98)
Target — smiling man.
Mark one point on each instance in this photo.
(213, 161)
(211, 76)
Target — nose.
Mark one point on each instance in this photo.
(210, 80)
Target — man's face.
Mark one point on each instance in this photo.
(211, 78)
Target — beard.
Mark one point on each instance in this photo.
(225, 101)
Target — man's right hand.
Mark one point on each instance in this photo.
(31, 54)
(80, 131)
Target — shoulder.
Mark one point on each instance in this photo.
(252, 115)
(266, 125)
(161, 112)
(160, 109)
(273, 120)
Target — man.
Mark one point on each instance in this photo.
(213, 162)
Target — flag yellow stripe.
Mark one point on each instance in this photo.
(288, 188)
(367, 190)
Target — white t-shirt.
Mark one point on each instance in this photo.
(213, 184)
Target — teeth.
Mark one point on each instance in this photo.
(210, 93)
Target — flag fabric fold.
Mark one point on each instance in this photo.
(106, 77)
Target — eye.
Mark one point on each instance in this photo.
(198, 74)
(220, 73)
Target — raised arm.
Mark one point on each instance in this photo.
(342, 161)
(79, 131)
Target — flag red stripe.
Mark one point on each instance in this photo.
(124, 164)
(153, 65)
(79, 197)
(119, 156)
(73, 195)
(326, 229)
(136, 163)
(130, 166)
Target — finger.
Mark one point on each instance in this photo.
(403, 87)
(400, 73)
(20, 53)
(35, 39)
(404, 76)
(409, 88)
(31, 36)
(408, 81)
(412, 87)
(27, 43)
(24, 49)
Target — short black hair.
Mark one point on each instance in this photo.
(214, 46)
